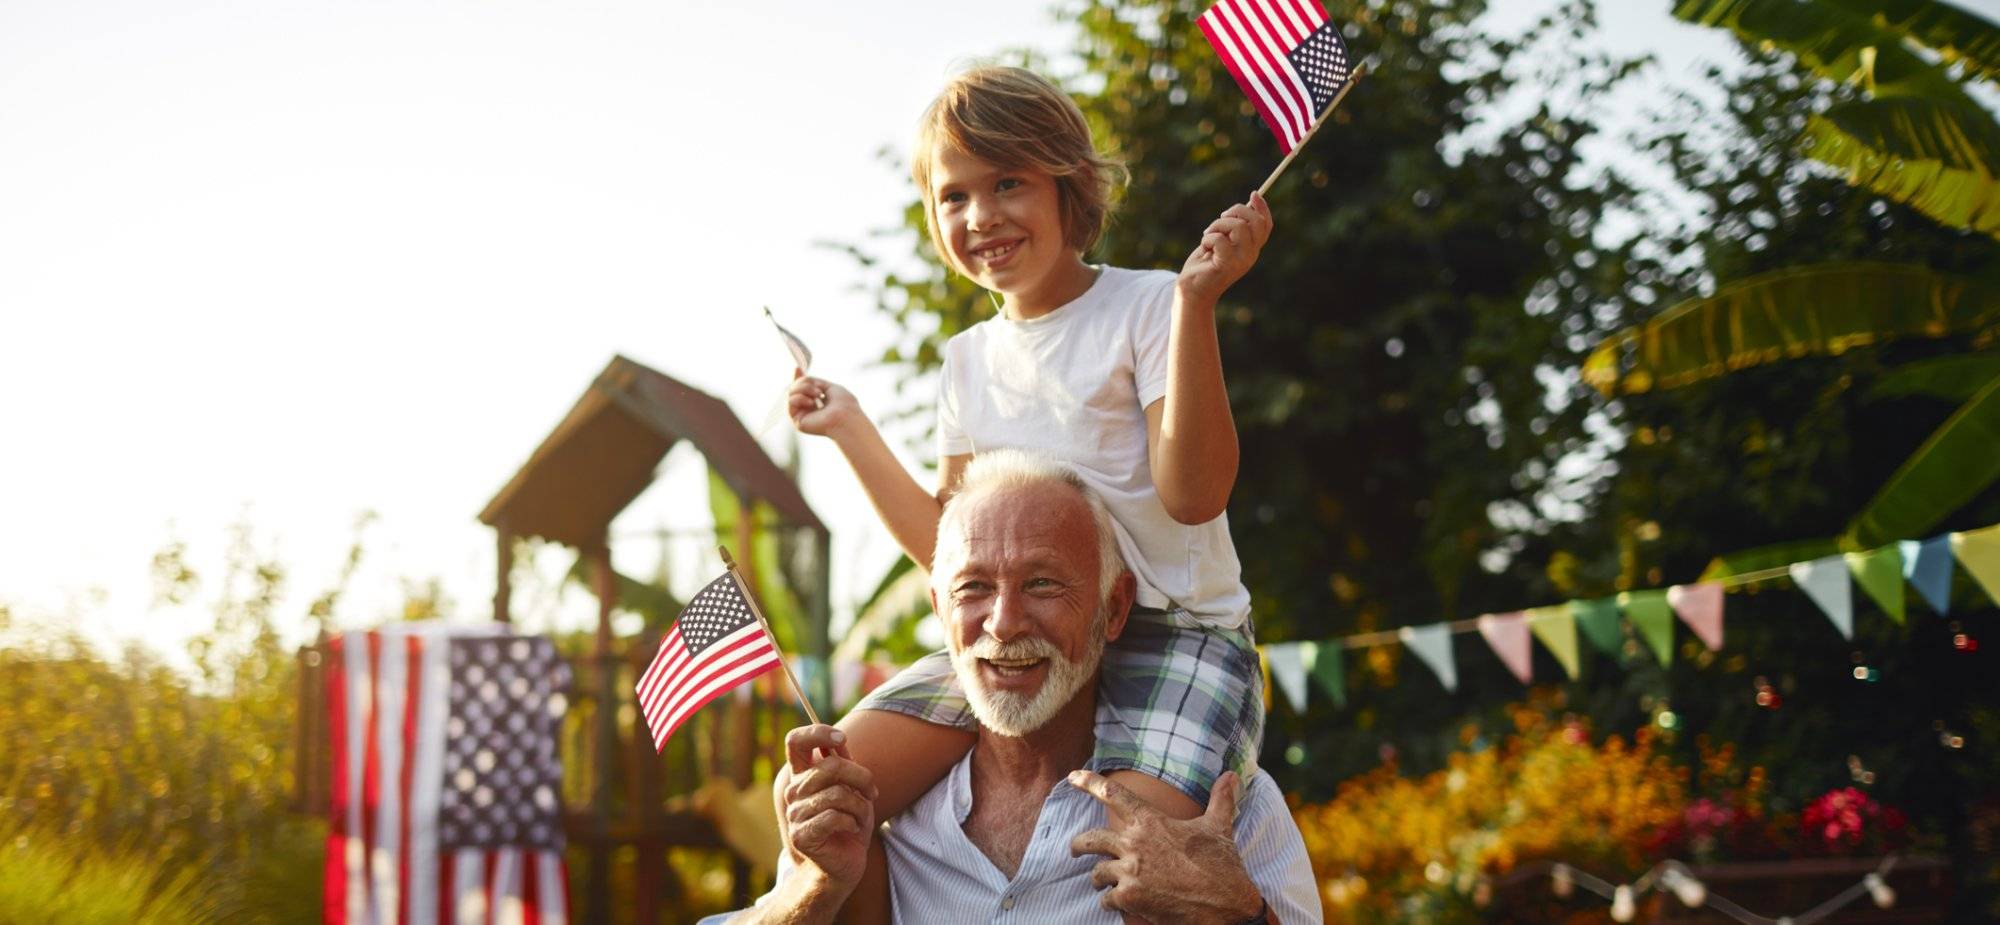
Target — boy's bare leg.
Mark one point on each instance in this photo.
(907, 757)
(1162, 796)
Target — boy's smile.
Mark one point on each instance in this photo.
(1003, 228)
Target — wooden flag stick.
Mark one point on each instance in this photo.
(1359, 71)
(759, 614)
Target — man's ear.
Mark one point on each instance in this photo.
(1119, 605)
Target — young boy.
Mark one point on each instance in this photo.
(1116, 372)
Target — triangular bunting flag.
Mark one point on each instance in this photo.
(1653, 619)
(1880, 573)
(1979, 552)
(1598, 620)
(1700, 607)
(1432, 643)
(1927, 565)
(1557, 631)
(1507, 633)
(1323, 663)
(1288, 671)
(1825, 581)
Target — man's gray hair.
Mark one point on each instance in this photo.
(999, 469)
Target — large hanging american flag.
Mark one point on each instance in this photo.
(718, 643)
(447, 782)
(1288, 58)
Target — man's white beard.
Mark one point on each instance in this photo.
(1015, 715)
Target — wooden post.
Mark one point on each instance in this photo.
(503, 584)
(597, 909)
(644, 770)
(746, 720)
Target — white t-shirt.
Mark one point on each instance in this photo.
(1074, 384)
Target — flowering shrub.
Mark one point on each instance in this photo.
(1389, 848)
(1393, 849)
(1847, 821)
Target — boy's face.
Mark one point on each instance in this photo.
(1002, 226)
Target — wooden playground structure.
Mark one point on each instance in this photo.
(625, 807)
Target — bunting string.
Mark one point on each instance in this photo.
(1384, 637)
(1828, 581)
(1678, 879)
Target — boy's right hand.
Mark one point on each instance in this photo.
(820, 407)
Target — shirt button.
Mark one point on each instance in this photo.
(1007, 903)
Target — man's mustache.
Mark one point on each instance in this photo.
(1025, 647)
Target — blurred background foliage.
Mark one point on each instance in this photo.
(132, 791)
(1407, 369)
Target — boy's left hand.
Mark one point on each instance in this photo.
(1228, 249)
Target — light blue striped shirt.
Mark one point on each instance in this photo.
(936, 873)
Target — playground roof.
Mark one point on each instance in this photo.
(605, 451)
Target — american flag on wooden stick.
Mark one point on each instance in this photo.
(718, 642)
(447, 784)
(1286, 55)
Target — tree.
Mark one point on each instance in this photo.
(1402, 360)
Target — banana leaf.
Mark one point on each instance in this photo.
(1790, 313)
(1953, 378)
(771, 583)
(1961, 458)
(651, 601)
(887, 621)
(1777, 555)
(1835, 43)
(1935, 156)
(1958, 36)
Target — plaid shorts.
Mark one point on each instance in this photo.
(1192, 698)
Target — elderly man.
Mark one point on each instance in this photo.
(1030, 587)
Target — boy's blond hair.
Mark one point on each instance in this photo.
(1013, 117)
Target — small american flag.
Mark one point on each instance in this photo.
(446, 804)
(718, 643)
(1285, 54)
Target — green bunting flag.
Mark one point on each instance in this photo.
(1653, 618)
(1557, 631)
(1598, 620)
(1979, 552)
(1323, 665)
(1879, 572)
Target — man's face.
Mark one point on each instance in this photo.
(1025, 625)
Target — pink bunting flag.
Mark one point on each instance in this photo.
(1507, 633)
(1700, 607)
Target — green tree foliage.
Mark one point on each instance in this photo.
(1402, 362)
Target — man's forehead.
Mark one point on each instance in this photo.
(1027, 524)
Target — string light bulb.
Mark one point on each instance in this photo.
(1622, 907)
(1562, 881)
(1691, 892)
(1879, 889)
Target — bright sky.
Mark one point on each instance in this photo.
(287, 260)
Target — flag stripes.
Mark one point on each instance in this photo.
(1257, 41)
(679, 683)
(388, 700)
